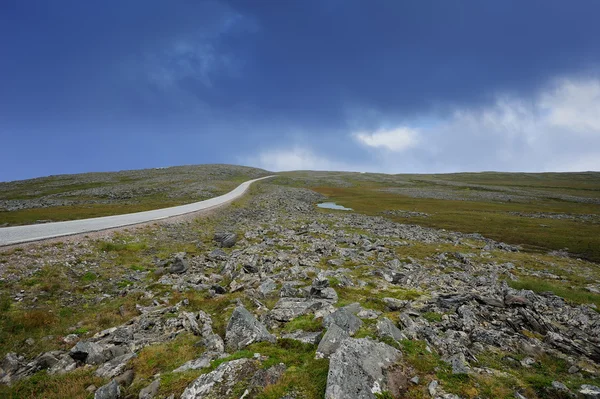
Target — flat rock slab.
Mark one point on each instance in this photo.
(361, 368)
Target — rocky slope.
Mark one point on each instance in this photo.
(273, 298)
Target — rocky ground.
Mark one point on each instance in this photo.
(274, 298)
(152, 188)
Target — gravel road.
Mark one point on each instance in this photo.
(20, 234)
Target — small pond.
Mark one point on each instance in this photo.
(333, 205)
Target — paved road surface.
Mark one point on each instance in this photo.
(35, 232)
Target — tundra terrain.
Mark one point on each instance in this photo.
(432, 286)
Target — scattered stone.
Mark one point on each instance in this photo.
(304, 336)
(331, 341)
(361, 368)
(344, 319)
(225, 239)
(243, 329)
(108, 391)
(150, 391)
(394, 304)
(386, 328)
(179, 264)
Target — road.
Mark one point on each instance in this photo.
(36, 232)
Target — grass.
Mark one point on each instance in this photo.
(41, 385)
(491, 219)
(566, 291)
(151, 189)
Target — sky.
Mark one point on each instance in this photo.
(360, 85)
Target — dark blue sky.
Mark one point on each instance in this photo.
(415, 86)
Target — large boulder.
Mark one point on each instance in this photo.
(287, 309)
(219, 382)
(386, 329)
(361, 368)
(243, 329)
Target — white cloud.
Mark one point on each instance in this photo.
(556, 129)
(399, 139)
(296, 158)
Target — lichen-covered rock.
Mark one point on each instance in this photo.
(112, 390)
(344, 319)
(218, 383)
(386, 328)
(361, 368)
(331, 341)
(225, 239)
(243, 329)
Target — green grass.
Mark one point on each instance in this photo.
(492, 219)
(41, 385)
(570, 293)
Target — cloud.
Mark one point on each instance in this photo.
(296, 158)
(556, 129)
(397, 140)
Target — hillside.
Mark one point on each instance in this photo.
(408, 295)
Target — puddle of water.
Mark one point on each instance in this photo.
(333, 205)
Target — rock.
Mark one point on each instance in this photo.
(64, 365)
(150, 391)
(126, 378)
(108, 391)
(369, 314)
(218, 254)
(91, 388)
(589, 391)
(489, 301)
(218, 383)
(394, 304)
(515, 301)
(225, 239)
(196, 364)
(287, 309)
(70, 339)
(432, 388)
(386, 328)
(115, 366)
(303, 336)
(179, 264)
(267, 287)
(89, 352)
(243, 329)
(344, 319)
(415, 380)
(458, 363)
(361, 368)
(559, 386)
(331, 341)
(218, 289)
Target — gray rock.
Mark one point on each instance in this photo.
(331, 341)
(150, 391)
(432, 387)
(344, 319)
(386, 328)
(458, 363)
(394, 304)
(108, 391)
(305, 336)
(196, 364)
(243, 329)
(89, 352)
(559, 386)
(225, 239)
(218, 383)
(126, 378)
(361, 368)
(287, 309)
(267, 287)
(64, 365)
(368, 314)
(115, 366)
(179, 264)
(218, 254)
(589, 391)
